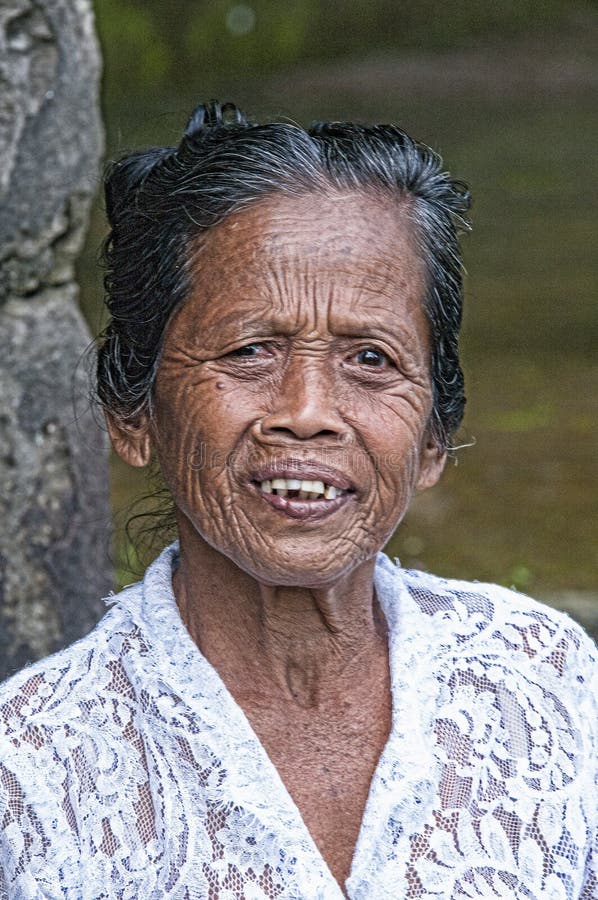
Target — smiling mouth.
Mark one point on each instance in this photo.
(303, 498)
(300, 489)
(307, 500)
(303, 489)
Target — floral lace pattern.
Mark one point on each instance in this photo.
(127, 770)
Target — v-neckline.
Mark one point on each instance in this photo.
(213, 701)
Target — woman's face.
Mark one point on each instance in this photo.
(293, 395)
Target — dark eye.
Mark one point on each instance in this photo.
(371, 357)
(246, 352)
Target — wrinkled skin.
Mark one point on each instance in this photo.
(304, 339)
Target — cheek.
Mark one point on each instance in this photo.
(200, 428)
(200, 409)
(393, 423)
(392, 436)
(235, 403)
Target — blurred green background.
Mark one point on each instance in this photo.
(507, 91)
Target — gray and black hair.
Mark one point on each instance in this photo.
(160, 201)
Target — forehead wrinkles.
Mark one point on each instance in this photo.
(310, 248)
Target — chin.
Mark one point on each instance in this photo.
(292, 566)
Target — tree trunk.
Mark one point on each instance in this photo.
(54, 514)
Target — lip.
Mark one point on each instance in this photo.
(306, 470)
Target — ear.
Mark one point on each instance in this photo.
(432, 461)
(130, 440)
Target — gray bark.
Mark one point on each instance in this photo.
(54, 514)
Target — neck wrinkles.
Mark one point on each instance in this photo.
(295, 644)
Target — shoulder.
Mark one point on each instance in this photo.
(58, 722)
(514, 620)
(45, 711)
(91, 686)
(496, 624)
(63, 687)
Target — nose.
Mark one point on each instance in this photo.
(305, 406)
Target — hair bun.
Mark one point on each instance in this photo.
(213, 115)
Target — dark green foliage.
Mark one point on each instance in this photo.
(156, 44)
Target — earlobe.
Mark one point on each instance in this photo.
(433, 460)
(130, 441)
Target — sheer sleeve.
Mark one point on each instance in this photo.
(590, 885)
(36, 837)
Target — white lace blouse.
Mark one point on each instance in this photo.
(128, 771)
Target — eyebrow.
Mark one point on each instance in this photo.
(262, 325)
(271, 327)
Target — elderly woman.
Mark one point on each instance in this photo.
(277, 710)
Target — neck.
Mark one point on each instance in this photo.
(299, 644)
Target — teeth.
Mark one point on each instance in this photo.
(280, 486)
(306, 489)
